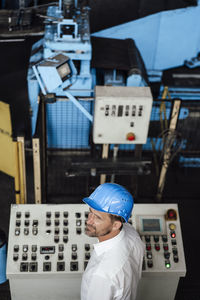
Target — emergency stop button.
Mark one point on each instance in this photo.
(171, 215)
(130, 136)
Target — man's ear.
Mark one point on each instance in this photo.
(117, 225)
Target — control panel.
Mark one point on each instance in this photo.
(48, 238)
(48, 244)
(121, 115)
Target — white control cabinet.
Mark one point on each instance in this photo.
(48, 251)
(121, 115)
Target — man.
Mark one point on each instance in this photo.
(115, 266)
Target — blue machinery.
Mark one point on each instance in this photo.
(165, 40)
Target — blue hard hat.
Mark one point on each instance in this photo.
(111, 198)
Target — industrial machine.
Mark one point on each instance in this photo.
(48, 250)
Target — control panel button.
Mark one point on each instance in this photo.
(61, 248)
(176, 259)
(130, 136)
(26, 231)
(17, 231)
(74, 255)
(87, 247)
(15, 257)
(65, 222)
(147, 238)
(65, 239)
(35, 222)
(48, 223)
(16, 248)
(35, 231)
(65, 214)
(164, 238)
(171, 215)
(56, 239)
(57, 222)
(18, 223)
(87, 255)
(74, 247)
(166, 255)
(173, 242)
(156, 238)
(172, 226)
(57, 214)
(25, 248)
(48, 214)
(18, 214)
(78, 230)
(157, 247)
(33, 267)
(74, 266)
(149, 255)
(65, 230)
(167, 264)
(26, 223)
(60, 256)
(148, 247)
(60, 266)
(33, 256)
(24, 267)
(34, 248)
(150, 264)
(165, 247)
(46, 266)
(56, 230)
(78, 222)
(24, 256)
(27, 214)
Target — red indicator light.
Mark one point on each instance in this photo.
(173, 235)
(130, 136)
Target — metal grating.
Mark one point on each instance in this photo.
(67, 127)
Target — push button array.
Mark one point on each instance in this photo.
(157, 246)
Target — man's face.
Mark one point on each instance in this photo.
(99, 224)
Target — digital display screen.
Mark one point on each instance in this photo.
(151, 225)
(47, 250)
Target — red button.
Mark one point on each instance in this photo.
(148, 247)
(157, 247)
(130, 136)
(165, 247)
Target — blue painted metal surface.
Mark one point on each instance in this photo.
(184, 93)
(165, 40)
(189, 162)
(3, 264)
(3, 257)
(67, 126)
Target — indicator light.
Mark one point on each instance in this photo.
(130, 136)
(173, 234)
(172, 226)
(168, 265)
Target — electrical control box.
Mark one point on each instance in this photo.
(121, 115)
(48, 250)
